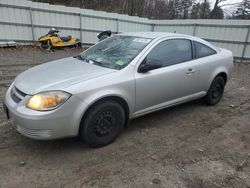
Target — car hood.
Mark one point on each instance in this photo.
(57, 75)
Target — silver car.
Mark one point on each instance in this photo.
(94, 94)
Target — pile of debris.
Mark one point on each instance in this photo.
(6, 44)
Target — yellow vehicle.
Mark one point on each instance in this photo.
(52, 40)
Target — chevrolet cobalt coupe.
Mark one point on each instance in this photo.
(95, 93)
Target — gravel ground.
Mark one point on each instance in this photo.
(191, 145)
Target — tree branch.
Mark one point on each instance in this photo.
(229, 4)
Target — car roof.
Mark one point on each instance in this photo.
(152, 35)
(159, 35)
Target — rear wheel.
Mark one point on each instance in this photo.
(215, 91)
(103, 123)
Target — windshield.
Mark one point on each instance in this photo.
(115, 52)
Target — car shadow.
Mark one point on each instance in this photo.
(174, 111)
(76, 144)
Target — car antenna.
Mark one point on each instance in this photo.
(175, 31)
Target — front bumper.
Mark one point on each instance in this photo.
(59, 123)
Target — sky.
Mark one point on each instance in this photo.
(228, 9)
(228, 1)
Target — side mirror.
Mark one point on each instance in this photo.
(149, 64)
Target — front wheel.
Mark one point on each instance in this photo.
(215, 91)
(102, 124)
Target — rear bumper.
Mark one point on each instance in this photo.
(59, 123)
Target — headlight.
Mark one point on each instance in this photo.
(47, 100)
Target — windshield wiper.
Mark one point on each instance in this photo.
(82, 58)
(96, 62)
(88, 60)
(91, 61)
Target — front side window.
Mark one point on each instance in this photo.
(115, 52)
(202, 50)
(171, 52)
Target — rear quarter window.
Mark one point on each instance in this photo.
(202, 50)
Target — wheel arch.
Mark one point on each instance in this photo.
(121, 101)
(220, 71)
(223, 75)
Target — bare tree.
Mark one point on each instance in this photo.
(243, 10)
(198, 11)
(204, 8)
(216, 12)
(156, 9)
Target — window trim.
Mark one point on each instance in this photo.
(186, 39)
(195, 53)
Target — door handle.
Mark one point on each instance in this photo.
(191, 71)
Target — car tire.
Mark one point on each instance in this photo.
(215, 91)
(102, 124)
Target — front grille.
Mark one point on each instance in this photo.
(17, 95)
(15, 98)
(20, 92)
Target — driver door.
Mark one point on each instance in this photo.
(177, 77)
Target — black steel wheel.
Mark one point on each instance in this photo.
(215, 91)
(103, 123)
